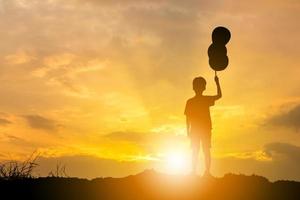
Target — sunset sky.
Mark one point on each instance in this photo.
(100, 85)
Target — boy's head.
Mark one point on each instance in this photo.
(199, 85)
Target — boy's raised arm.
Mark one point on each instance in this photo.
(219, 92)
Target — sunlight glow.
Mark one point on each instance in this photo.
(177, 162)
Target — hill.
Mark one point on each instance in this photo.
(151, 185)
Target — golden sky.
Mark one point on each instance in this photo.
(102, 85)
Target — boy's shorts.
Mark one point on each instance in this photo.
(204, 136)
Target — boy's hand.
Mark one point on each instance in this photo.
(216, 80)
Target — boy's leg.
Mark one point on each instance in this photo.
(195, 144)
(195, 159)
(206, 145)
(207, 156)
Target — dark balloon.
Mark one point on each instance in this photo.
(215, 50)
(218, 63)
(221, 35)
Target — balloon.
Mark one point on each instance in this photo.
(218, 63)
(221, 35)
(217, 51)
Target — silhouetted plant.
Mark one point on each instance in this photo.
(60, 171)
(19, 170)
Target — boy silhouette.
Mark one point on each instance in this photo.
(198, 121)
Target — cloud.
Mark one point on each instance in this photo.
(283, 163)
(4, 121)
(152, 144)
(86, 166)
(284, 151)
(127, 136)
(15, 139)
(18, 58)
(39, 122)
(144, 138)
(289, 119)
(27, 145)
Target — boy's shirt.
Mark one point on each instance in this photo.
(197, 110)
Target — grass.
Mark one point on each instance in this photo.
(12, 170)
(18, 170)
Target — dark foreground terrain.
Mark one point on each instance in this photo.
(151, 185)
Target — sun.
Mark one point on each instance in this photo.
(177, 162)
